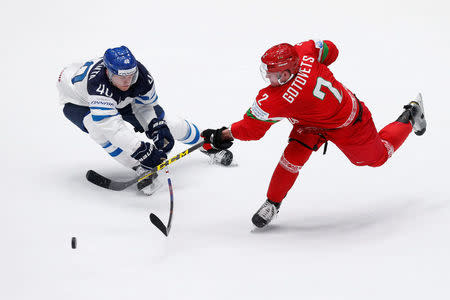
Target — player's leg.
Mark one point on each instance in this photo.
(414, 114)
(76, 114)
(183, 130)
(114, 151)
(120, 156)
(82, 118)
(394, 134)
(188, 133)
(294, 157)
(364, 146)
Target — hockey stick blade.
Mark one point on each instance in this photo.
(158, 223)
(97, 179)
(143, 181)
(107, 183)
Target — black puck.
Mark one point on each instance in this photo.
(74, 242)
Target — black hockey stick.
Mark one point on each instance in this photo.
(143, 180)
(107, 183)
(157, 221)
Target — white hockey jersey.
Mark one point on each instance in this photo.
(88, 85)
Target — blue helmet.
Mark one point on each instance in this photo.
(120, 61)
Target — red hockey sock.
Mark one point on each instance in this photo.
(294, 157)
(281, 182)
(395, 133)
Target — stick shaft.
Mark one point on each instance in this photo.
(166, 163)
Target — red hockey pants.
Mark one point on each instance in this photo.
(360, 142)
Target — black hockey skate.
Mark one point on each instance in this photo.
(414, 113)
(223, 157)
(266, 213)
(152, 183)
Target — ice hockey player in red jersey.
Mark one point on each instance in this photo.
(321, 109)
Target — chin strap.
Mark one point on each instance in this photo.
(289, 79)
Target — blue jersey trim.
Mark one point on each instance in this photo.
(189, 132)
(116, 152)
(137, 101)
(107, 144)
(80, 77)
(101, 108)
(197, 136)
(99, 118)
(154, 100)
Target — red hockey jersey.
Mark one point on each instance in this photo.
(313, 98)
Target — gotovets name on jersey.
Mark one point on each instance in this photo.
(300, 80)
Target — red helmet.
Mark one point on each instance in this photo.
(281, 57)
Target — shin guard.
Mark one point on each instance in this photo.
(294, 157)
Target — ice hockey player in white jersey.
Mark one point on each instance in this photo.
(102, 94)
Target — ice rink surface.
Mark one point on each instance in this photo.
(343, 232)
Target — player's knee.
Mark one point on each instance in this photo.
(372, 163)
(296, 154)
(292, 167)
(93, 131)
(384, 155)
(378, 163)
(76, 114)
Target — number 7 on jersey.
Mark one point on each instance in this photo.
(321, 95)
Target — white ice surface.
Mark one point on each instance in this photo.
(343, 232)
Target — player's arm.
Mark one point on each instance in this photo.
(253, 126)
(250, 128)
(151, 115)
(324, 51)
(147, 106)
(247, 129)
(257, 120)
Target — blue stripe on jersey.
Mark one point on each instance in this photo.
(107, 144)
(80, 77)
(189, 132)
(99, 118)
(197, 136)
(154, 100)
(116, 152)
(101, 108)
(143, 98)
